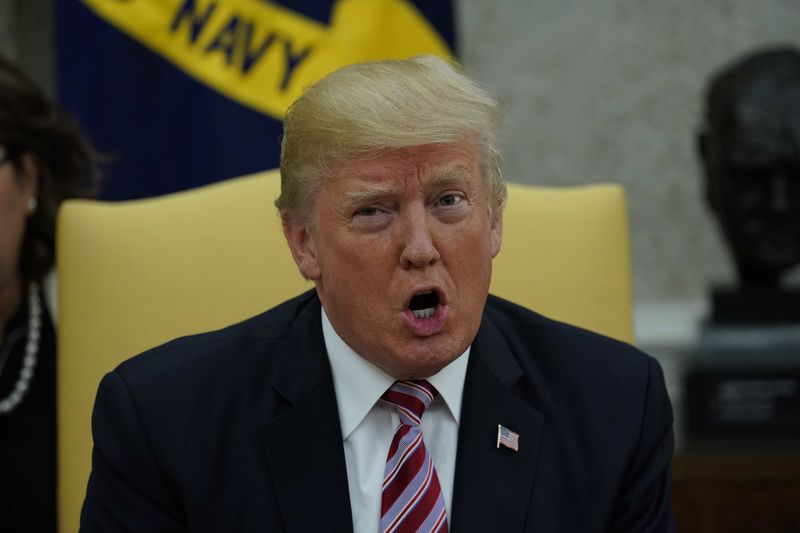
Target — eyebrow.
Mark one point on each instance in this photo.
(451, 176)
(369, 195)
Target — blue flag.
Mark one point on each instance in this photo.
(181, 93)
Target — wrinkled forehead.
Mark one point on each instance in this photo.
(435, 163)
(763, 127)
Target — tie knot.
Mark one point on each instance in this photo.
(410, 398)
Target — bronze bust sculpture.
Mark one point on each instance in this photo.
(750, 150)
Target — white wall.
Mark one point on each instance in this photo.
(611, 90)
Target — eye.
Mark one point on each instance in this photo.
(450, 200)
(367, 211)
(370, 218)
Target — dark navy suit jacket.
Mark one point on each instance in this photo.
(238, 430)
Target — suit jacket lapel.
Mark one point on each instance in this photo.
(304, 444)
(493, 485)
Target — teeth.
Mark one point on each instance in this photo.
(424, 313)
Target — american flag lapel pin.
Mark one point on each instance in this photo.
(507, 438)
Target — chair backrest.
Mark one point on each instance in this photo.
(136, 274)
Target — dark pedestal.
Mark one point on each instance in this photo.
(743, 389)
(743, 383)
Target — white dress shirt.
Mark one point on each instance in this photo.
(368, 425)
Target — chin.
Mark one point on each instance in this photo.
(425, 364)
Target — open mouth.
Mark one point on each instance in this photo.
(423, 304)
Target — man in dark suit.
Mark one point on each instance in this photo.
(396, 396)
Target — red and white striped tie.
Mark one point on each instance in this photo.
(412, 499)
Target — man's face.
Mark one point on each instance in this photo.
(753, 172)
(401, 252)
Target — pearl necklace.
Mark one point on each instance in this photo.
(20, 389)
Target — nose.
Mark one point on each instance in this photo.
(418, 244)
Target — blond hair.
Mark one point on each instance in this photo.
(361, 109)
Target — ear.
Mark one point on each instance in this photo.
(709, 178)
(496, 231)
(302, 245)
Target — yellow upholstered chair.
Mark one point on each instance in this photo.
(136, 274)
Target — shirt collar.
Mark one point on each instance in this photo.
(359, 384)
